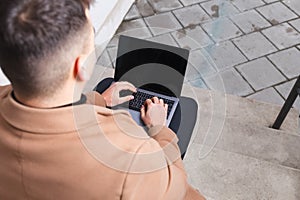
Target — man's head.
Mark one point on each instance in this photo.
(40, 42)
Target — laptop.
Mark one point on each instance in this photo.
(155, 69)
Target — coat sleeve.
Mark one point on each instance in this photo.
(169, 182)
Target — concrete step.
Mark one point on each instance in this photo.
(224, 175)
(241, 126)
(216, 105)
(235, 155)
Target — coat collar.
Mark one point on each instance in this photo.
(51, 121)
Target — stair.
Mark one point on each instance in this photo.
(235, 155)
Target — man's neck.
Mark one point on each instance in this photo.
(49, 102)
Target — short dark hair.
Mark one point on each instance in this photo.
(32, 34)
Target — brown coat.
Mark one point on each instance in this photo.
(86, 152)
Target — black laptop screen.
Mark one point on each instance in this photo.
(160, 70)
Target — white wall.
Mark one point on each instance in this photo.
(3, 79)
(107, 16)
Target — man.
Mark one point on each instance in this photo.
(56, 143)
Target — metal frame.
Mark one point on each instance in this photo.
(287, 105)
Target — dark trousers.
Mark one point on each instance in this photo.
(183, 121)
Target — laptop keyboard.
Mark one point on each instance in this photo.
(141, 97)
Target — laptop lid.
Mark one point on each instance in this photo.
(151, 66)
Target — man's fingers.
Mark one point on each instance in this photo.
(148, 102)
(143, 112)
(126, 86)
(166, 108)
(125, 99)
(155, 100)
(161, 101)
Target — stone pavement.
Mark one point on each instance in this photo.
(248, 48)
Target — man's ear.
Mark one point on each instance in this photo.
(80, 72)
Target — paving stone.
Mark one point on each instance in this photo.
(192, 38)
(199, 83)
(190, 2)
(229, 82)
(201, 62)
(222, 29)
(269, 96)
(144, 8)
(287, 61)
(293, 4)
(114, 41)
(285, 89)
(112, 52)
(217, 8)
(270, 1)
(296, 24)
(254, 45)
(163, 6)
(104, 60)
(276, 13)
(260, 73)
(191, 74)
(135, 28)
(191, 15)
(164, 39)
(225, 175)
(224, 55)
(246, 4)
(283, 35)
(162, 23)
(108, 73)
(250, 21)
(133, 13)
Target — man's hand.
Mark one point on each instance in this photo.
(112, 94)
(154, 112)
